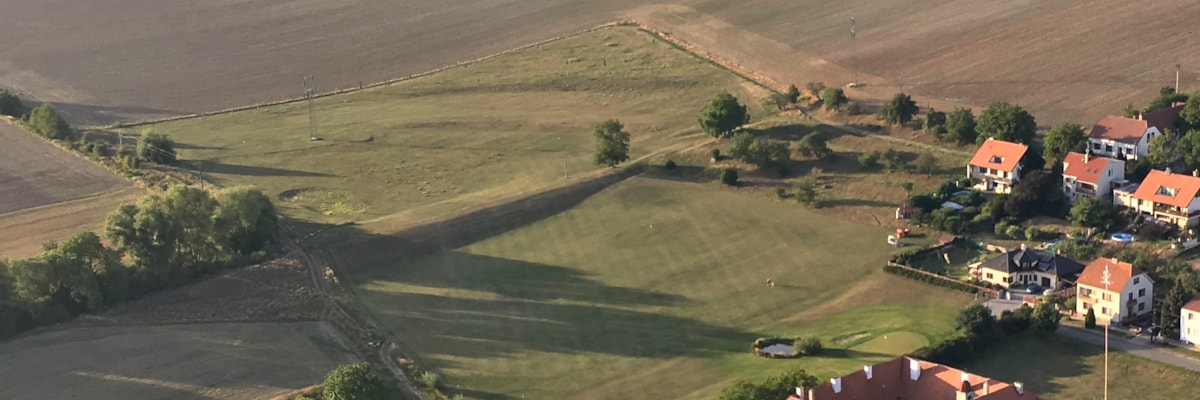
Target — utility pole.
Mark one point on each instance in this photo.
(1177, 66)
(1106, 279)
(853, 53)
(312, 118)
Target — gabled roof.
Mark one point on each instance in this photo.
(1087, 172)
(1119, 274)
(1168, 188)
(1193, 305)
(891, 380)
(998, 154)
(1130, 130)
(1026, 259)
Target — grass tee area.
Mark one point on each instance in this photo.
(653, 288)
(462, 136)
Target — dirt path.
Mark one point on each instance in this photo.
(1132, 346)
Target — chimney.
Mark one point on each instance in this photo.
(1022, 246)
(1139, 116)
(986, 388)
(837, 384)
(801, 393)
(1196, 173)
(1020, 387)
(868, 369)
(914, 369)
(1087, 157)
(964, 391)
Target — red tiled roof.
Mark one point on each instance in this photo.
(998, 154)
(1120, 129)
(1119, 274)
(891, 380)
(1167, 188)
(1193, 305)
(1130, 130)
(1088, 172)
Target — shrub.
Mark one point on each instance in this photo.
(431, 380)
(927, 163)
(780, 192)
(1089, 321)
(46, 122)
(1151, 230)
(808, 345)
(669, 165)
(1014, 232)
(815, 87)
(943, 282)
(99, 149)
(353, 382)
(869, 160)
(729, 176)
(157, 148)
(834, 98)
(716, 154)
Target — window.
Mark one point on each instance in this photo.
(1142, 307)
(989, 275)
(1141, 292)
(1106, 297)
(1108, 148)
(1190, 315)
(1096, 146)
(1130, 296)
(1136, 281)
(1085, 291)
(1103, 310)
(1110, 172)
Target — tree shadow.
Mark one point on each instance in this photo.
(1038, 362)
(185, 146)
(92, 115)
(208, 167)
(856, 203)
(682, 173)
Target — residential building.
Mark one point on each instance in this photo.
(1117, 291)
(1087, 176)
(1129, 138)
(1189, 322)
(1025, 266)
(907, 378)
(997, 165)
(1168, 197)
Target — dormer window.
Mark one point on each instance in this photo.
(996, 160)
(1166, 191)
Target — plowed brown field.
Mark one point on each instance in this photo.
(118, 60)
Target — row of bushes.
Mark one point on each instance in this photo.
(931, 279)
(976, 330)
(909, 257)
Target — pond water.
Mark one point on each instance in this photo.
(778, 349)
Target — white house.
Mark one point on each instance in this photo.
(1025, 266)
(1087, 176)
(1129, 138)
(997, 165)
(1189, 322)
(1117, 291)
(1169, 197)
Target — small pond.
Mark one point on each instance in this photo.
(781, 349)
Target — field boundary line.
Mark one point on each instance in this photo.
(68, 202)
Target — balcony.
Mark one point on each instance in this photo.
(1174, 211)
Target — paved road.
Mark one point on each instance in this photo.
(1135, 346)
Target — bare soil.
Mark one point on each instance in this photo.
(22, 233)
(35, 173)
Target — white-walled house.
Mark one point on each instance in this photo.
(1088, 176)
(997, 165)
(1117, 291)
(1129, 138)
(1189, 322)
(1026, 266)
(1173, 198)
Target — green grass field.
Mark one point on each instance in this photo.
(438, 143)
(653, 288)
(1061, 368)
(957, 268)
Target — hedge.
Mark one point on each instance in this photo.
(930, 279)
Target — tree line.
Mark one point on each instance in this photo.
(161, 242)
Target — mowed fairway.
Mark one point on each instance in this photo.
(189, 362)
(506, 125)
(651, 289)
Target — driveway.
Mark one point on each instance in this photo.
(1134, 346)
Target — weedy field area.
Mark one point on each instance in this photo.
(652, 288)
(467, 135)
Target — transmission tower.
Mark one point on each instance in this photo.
(312, 117)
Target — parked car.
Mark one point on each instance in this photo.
(1034, 289)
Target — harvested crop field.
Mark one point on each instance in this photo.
(1064, 60)
(189, 362)
(22, 233)
(34, 173)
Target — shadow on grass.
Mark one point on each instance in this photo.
(1037, 362)
(208, 167)
(185, 146)
(682, 173)
(856, 203)
(852, 354)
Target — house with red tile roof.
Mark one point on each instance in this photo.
(1118, 291)
(1088, 176)
(1129, 138)
(1166, 196)
(1189, 322)
(996, 166)
(907, 378)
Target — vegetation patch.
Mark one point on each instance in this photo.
(779, 347)
(849, 338)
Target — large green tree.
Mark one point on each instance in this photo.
(1092, 212)
(813, 145)
(10, 104)
(45, 121)
(1165, 152)
(977, 321)
(833, 98)
(246, 220)
(1006, 122)
(1063, 139)
(1168, 310)
(612, 143)
(960, 126)
(1191, 111)
(86, 249)
(774, 387)
(1166, 97)
(723, 115)
(1039, 192)
(899, 110)
(1045, 319)
(935, 123)
(353, 382)
(156, 147)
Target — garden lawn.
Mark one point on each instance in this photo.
(517, 122)
(1061, 368)
(957, 268)
(653, 288)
